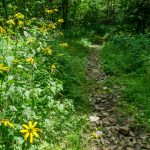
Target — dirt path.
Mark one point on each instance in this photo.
(113, 131)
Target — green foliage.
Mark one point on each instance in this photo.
(128, 15)
(35, 67)
(42, 76)
(126, 53)
(136, 15)
(126, 57)
(74, 75)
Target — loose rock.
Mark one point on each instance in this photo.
(119, 132)
(124, 130)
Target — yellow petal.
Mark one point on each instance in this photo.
(30, 124)
(11, 125)
(26, 135)
(25, 126)
(23, 131)
(34, 124)
(37, 129)
(35, 133)
(31, 137)
(5, 123)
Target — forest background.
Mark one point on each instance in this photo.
(43, 49)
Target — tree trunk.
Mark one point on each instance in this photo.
(65, 13)
(4, 5)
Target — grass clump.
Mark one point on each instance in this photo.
(126, 59)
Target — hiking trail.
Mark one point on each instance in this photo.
(113, 131)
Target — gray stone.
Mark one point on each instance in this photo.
(113, 138)
(130, 148)
(119, 148)
(112, 147)
(132, 134)
(103, 101)
(124, 130)
(105, 114)
(97, 107)
(143, 137)
(112, 120)
(148, 146)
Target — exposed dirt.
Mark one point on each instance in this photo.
(113, 131)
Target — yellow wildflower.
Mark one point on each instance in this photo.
(11, 22)
(53, 67)
(47, 51)
(30, 60)
(60, 20)
(6, 122)
(19, 16)
(61, 33)
(97, 134)
(30, 130)
(43, 29)
(28, 22)
(20, 23)
(30, 40)
(49, 11)
(64, 45)
(2, 30)
(15, 61)
(56, 10)
(3, 68)
(52, 26)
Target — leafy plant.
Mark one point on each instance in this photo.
(126, 58)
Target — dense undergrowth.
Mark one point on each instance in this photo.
(42, 80)
(74, 75)
(43, 49)
(127, 59)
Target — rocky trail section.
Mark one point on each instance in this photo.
(113, 131)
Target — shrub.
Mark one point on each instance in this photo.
(127, 58)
